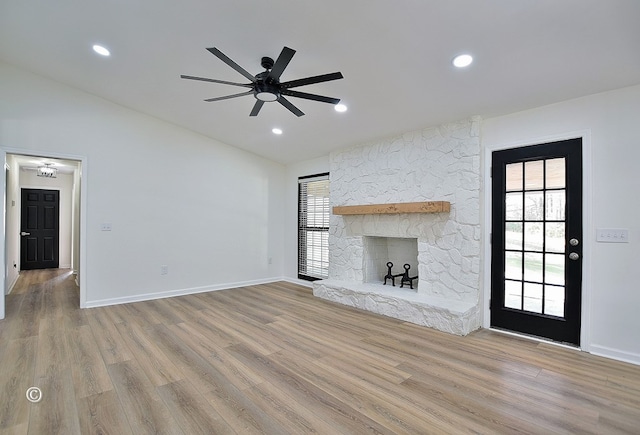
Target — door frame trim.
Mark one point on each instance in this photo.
(82, 265)
(587, 194)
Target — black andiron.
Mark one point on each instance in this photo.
(391, 276)
(406, 279)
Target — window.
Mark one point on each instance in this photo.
(313, 227)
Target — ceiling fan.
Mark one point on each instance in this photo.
(266, 86)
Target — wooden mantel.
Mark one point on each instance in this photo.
(404, 207)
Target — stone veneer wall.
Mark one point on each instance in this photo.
(434, 164)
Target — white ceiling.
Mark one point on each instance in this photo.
(395, 57)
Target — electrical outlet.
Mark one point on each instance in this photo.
(612, 235)
(105, 226)
(164, 269)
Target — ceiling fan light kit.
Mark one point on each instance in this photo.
(266, 92)
(266, 86)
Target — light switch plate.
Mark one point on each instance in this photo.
(612, 235)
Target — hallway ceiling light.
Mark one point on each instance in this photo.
(47, 171)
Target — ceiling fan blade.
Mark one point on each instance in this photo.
(286, 103)
(256, 108)
(310, 96)
(223, 57)
(312, 80)
(281, 63)
(224, 82)
(241, 94)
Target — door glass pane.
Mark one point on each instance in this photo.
(554, 269)
(555, 205)
(533, 175)
(533, 267)
(513, 235)
(533, 206)
(513, 294)
(554, 300)
(555, 176)
(513, 180)
(513, 203)
(533, 236)
(532, 297)
(513, 265)
(555, 237)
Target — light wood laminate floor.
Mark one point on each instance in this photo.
(273, 359)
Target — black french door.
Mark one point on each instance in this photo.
(536, 240)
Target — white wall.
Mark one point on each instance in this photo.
(609, 122)
(210, 212)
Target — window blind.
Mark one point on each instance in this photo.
(313, 227)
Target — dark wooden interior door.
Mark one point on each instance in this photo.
(536, 234)
(39, 229)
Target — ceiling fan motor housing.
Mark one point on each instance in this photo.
(265, 88)
(267, 63)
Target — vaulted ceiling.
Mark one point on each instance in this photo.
(395, 57)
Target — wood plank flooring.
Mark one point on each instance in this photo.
(272, 359)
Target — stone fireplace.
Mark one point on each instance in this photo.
(443, 248)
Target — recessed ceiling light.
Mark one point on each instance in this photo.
(462, 60)
(101, 50)
(276, 130)
(340, 108)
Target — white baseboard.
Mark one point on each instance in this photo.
(179, 292)
(12, 283)
(302, 282)
(607, 352)
(594, 349)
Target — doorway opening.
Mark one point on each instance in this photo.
(66, 186)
